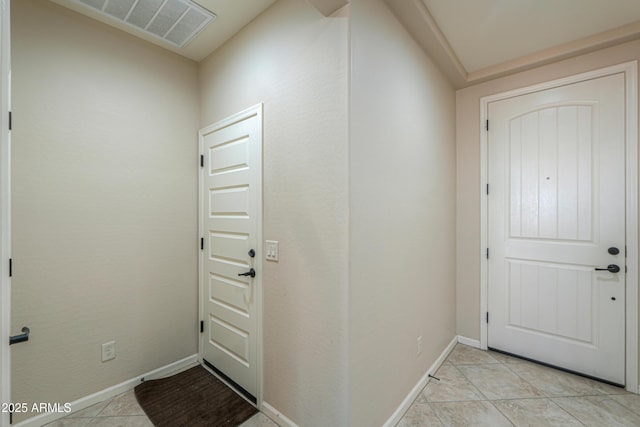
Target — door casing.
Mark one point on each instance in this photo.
(257, 281)
(5, 208)
(630, 70)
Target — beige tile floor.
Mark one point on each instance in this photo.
(476, 388)
(480, 388)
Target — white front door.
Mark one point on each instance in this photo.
(230, 268)
(556, 215)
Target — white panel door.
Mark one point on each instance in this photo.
(231, 217)
(556, 213)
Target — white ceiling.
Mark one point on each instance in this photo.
(471, 40)
(232, 16)
(483, 33)
(477, 40)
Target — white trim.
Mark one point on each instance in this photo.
(276, 416)
(256, 110)
(631, 80)
(328, 7)
(415, 391)
(556, 53)
(259, 264)
(484, 218)
(439, 36)
(630, 69)
(5, 207)
(108, 393)
(468, 341)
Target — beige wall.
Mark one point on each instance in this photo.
(468, 166)
(294, 60)
(104, 204)
(402, 213)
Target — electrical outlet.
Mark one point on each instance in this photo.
(108, 351)
(419, 345)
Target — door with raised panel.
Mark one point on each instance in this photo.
(230, 267)
(556, 226)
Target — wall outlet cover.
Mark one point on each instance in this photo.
(108, 351)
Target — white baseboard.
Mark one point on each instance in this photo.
(413, 394)
(276, 416)
(107, 393)
(469, 342)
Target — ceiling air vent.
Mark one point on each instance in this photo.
(175, 21)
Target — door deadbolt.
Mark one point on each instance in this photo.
(613, 250)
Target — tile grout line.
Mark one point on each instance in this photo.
(570, 414)
(623, 405)
(544, 396)
(503, 414)
(436, 414)
(481, 393)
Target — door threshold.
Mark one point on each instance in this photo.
(232, 384)
(548, 365)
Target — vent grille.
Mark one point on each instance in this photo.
(175, 21)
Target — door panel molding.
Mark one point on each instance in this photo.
(631, 147)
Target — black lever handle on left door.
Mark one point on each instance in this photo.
(612, 268)
(24, 336)
(251, 273)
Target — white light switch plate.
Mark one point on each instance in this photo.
(271, 250)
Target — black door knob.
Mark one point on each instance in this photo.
(251, 273)
(611, 268)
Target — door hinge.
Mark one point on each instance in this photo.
(486, 125)
(10, 267)
(487, 189)
(487, 317)
(202, 243)
(487, 253)
(201, 326)
(10, 120)
(201, 160)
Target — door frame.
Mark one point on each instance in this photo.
(257, 281)
(5, 207)
(630, 70)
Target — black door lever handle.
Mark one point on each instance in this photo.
(24, 336)
(612, 268)
(251, 273)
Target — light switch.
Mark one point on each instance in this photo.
(271, 250)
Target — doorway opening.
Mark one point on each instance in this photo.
(507, 254)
